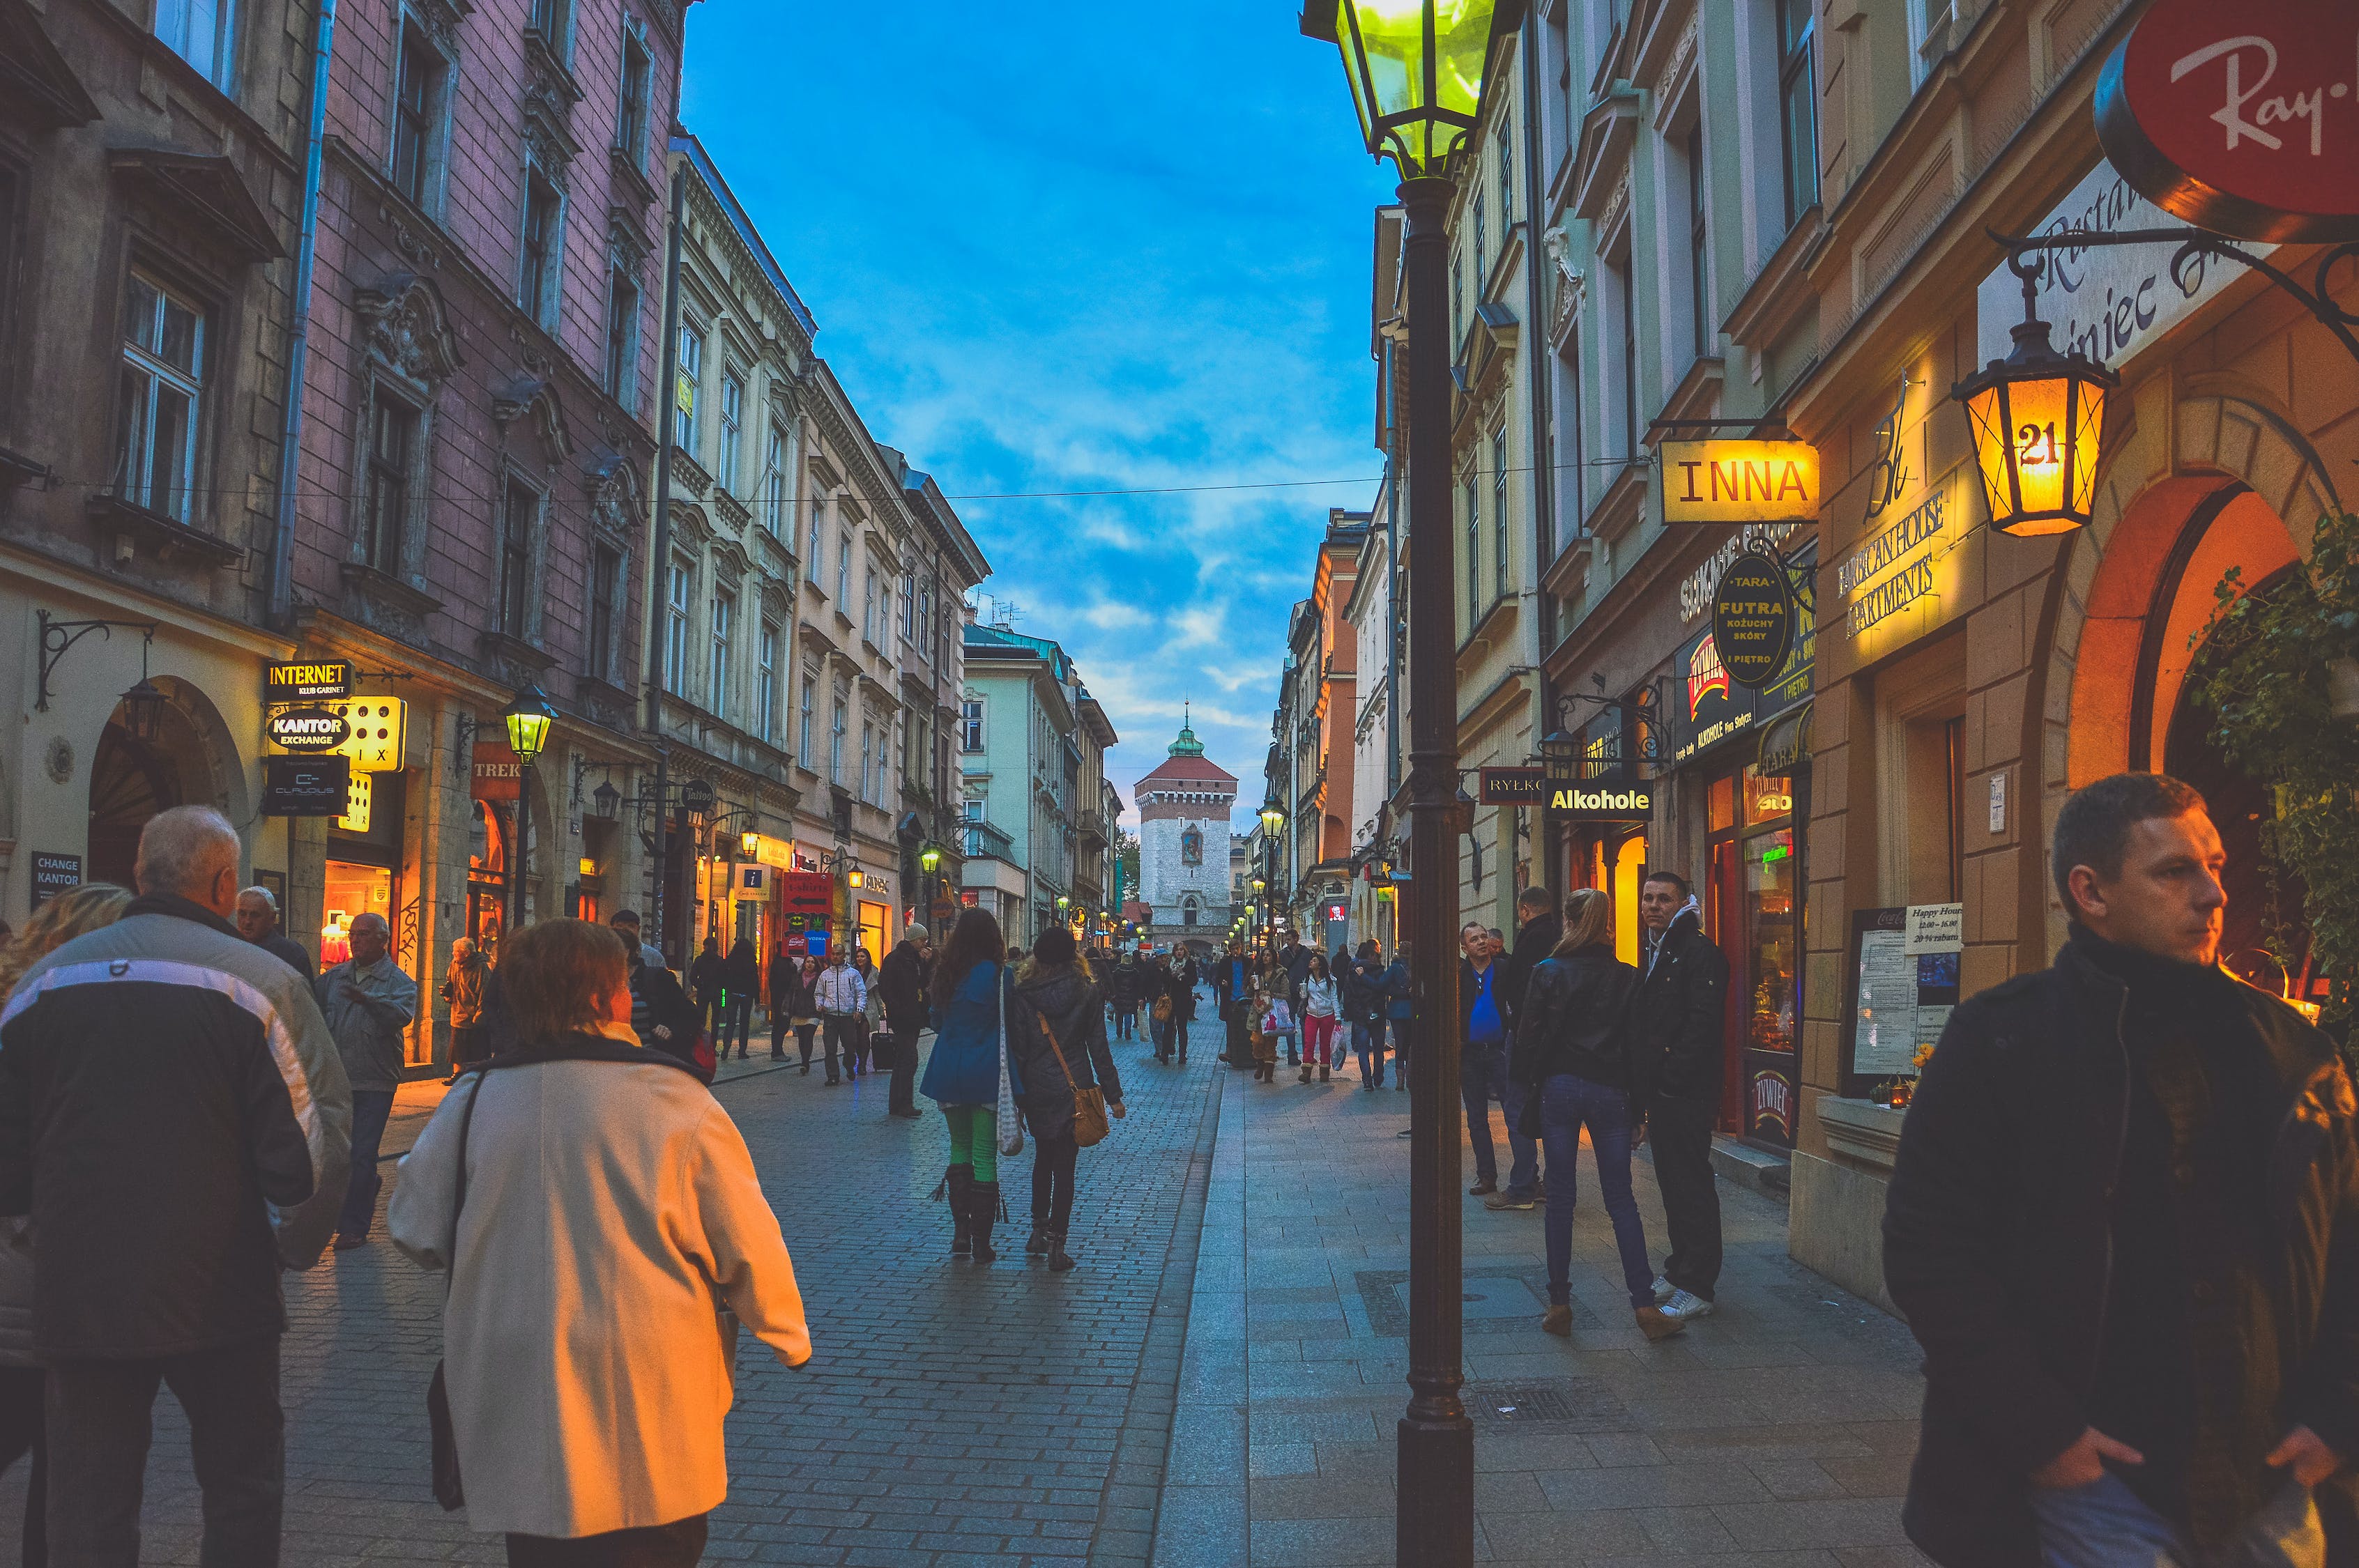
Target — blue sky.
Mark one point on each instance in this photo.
(1127, 251)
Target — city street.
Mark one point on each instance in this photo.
(1241, 1249)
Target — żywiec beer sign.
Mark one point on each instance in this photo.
(1740, 482)
(2243, 118)
(1603, 803)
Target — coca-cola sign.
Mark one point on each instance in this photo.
(2242, 118)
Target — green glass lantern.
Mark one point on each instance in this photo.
(529, 718)
(1416, 68)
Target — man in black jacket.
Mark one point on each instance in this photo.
(175, 1118)
(2125, 1228)
(901, 987)
(1535, 938)
(1680, 1018)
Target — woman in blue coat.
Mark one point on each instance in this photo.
(970, 996)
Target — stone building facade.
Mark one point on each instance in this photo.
(1183, 832)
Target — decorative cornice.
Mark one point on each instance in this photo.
(407, 329)
(537, 400)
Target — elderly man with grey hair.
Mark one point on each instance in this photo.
(369, 1002)
(257, 922)
(173, 1117)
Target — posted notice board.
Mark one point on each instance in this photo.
(1904, 985)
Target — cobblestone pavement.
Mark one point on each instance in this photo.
(952, 1416)
(1777, 1432)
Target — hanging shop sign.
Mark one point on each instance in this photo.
(1904, 969)
(1752, 620)
(2244, 118)
(1708, 708)
(310, 729)
(698, 795)
(809, 894)
(1740, 482)
(379, 741)
(499, 774)
(1695, 592)
(1603, 803)
(1513, 787)
(315, 682)
(360, 804)
(777, 853)
(306, 786)
(54, 874)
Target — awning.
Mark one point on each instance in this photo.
(1786, 744)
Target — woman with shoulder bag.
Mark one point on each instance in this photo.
(595, 1230)
(1575, 1055)
(1057, 1044)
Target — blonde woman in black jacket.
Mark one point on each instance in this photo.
(1055, 996)
(1573, 1054)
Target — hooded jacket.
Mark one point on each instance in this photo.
(1680, 1011)
(175, 1118)
(1576, 1019)
(1064, 1001)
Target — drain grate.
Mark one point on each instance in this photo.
(1551, 1404)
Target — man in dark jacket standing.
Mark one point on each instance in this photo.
(708, 980)
(257, 922)
(1486, 1017)
(2124, 1225)
(174, 1117)
(1535, 938)
(1680, 1018)
(901, 986)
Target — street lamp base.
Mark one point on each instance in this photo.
(1436, 1462)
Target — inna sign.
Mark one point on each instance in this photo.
(1740, 482)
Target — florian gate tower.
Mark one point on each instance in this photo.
(1183, 843)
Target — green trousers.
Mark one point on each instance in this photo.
(974, 1139)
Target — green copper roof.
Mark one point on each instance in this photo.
(1187, 745)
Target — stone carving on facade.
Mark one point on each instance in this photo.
(407, 329)
(1571, 284)
(535, 400)
(1616, 203)
(691, 530)
(441, 18)
(1682, 52)
(617, 502)
(730, 562)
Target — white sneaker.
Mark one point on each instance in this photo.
(1686, 1307)
(1663, 1291)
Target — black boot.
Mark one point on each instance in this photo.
(1039, 1240)
(1058, 1261)
(983, 1211)
(961, 1196)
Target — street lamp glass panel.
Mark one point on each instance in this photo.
(1272, 815)
(529, 718)
(931, 857)
(1416, 69)
(2039, 419)
(854, 879)
(751, 843)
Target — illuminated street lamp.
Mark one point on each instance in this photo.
(931, 857)
(2039, 419)
(528, 717)
(1418, 71)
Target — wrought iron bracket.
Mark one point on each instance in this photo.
(57, 636)
(2193, 244)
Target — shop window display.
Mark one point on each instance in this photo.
(352, 891)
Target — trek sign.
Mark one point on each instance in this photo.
(2243, 118)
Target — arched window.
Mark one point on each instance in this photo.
(1188, 912)
(1192, 849)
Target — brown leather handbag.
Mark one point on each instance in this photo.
(1090, 1124)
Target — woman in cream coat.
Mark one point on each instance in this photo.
(610, 1213)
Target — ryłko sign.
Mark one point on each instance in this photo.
(306, 729)
(314, 682)
(1513, 787)
(1740, 482)
(2243, 118)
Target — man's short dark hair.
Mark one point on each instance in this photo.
(623, 917)
(1662, 874)
(2093, 829)
(1536, 897)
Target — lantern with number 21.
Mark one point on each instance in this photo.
(2039, 419)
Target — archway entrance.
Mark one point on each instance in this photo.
(130, 780)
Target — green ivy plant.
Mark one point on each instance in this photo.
(2269, 672)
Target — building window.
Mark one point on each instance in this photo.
(163, 398)
(1627, 298)
(605, 589)
(1473, 554)
(544, 248)
(843, 574)
(1507, 177)
(908, 605)
(765, 683)
(868, 605)
(1457, 300)
(385, 496)
(925, 619)
(519, 510)
(971, 724)
(631, 113)
(724, 611)
(835, 743)
(622, 335)
(774, 482)
(1499, 512)
(817, 537)
(867, 752)
(1798, 92)
(689, 386)
(732, 419)
(1699, 245)
(416, 112)
(803, 752)
(203, 33)
(548, 19)
(1482, 254)
(1574, 411)
(675, 662)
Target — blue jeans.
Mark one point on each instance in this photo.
(371, 1108)
(1368, 1041)
(2107, 1525)
(1567, 1104)
(1481, 1078)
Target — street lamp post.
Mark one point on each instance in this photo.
(1273, 823)
(1417, 70)
(527, 718)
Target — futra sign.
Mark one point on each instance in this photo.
(2242, 118)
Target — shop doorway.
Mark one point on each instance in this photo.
(1752, 910)
(130, 780)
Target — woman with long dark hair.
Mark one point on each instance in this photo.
(1057, 1044)
(969, 1001)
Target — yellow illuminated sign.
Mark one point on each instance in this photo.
(1740, 482)
(359, 798)
(380, 737)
